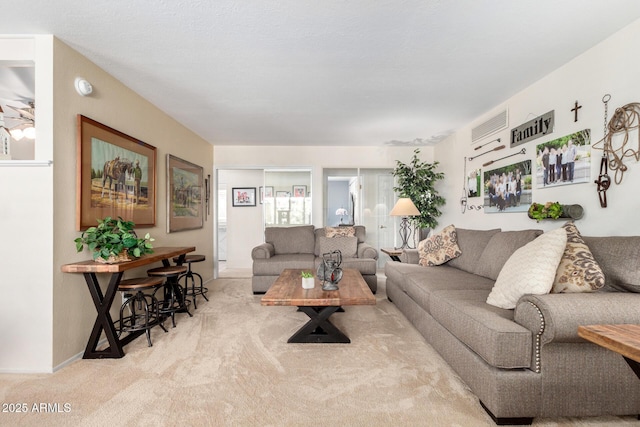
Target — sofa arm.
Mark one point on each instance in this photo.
(365, 250)
(556, 317)
(263, 251)
(410, 256)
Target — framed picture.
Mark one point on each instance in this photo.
(116, 176)
(299, 191)
(564, 161)
(244, 196)
(265, 192)
(185, 185)
(508, 188)
(283, 194)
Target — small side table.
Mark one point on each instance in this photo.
(394, 254)
(623, 339)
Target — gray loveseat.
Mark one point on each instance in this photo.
(302, 247)
(528, 362)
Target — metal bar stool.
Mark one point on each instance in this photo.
(195, 290)
(144, 309)
(174, 300)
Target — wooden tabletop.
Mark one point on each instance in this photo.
(623, 339)
(392, 251)
(158, 254)
(287, 290)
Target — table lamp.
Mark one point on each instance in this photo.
(404, 208)
(341, 213)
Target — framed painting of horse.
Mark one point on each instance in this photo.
(184, 195)
(116, 176)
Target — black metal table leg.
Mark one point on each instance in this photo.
(103, 322)
(319, 329)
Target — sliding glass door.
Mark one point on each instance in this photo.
(361, 197)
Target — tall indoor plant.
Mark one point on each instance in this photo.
(417, 180)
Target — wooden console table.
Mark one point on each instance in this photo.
(623, 339)
(103, 302)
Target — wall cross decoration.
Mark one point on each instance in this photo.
(575, 111)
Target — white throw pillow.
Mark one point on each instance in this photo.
(530, 270)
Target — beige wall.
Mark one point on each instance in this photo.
(114, 105)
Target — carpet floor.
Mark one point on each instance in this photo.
(230, 365)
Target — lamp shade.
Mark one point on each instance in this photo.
(404, 207)
(342, 212)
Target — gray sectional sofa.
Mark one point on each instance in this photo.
(528, 362)
(302, 247)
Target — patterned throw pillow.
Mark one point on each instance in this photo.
(530, 270)
(439, 248)
(348, 246)
(578, 270)
(339, 231)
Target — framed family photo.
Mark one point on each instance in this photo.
(243, 196)
(116, 176)
(184, 195)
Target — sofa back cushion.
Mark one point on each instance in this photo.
(347, 245)
(500, 247)
(471, 244)
(618, 257)
(291, 240)
(360, 231)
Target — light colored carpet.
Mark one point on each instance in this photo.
(230, 365)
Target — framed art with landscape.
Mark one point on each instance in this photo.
(185, 182)
(116, 176)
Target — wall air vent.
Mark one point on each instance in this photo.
(493, 125)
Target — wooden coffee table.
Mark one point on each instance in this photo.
(319, 305)
(623, 339)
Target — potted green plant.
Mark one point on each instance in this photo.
(554, 210)
(417, 181)
(539, 211)
(308, 281)
(114, 240)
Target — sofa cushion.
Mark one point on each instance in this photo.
(489, 331)
(419, 282)
(273, 266)
(439, 248)
(346, 245)
(471, 244)
(530, 270)
(366, 266)
(578, 271)
(618, 257)
(291, 240)
(499, 248)
(339, 231)
(361, 234)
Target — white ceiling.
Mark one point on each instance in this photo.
(331, 72)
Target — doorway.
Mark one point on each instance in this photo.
(361, 197)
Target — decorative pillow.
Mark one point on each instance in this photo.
(530, 270)
(439, 248)
(339, 231)
(578, 270)
(346, 245)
